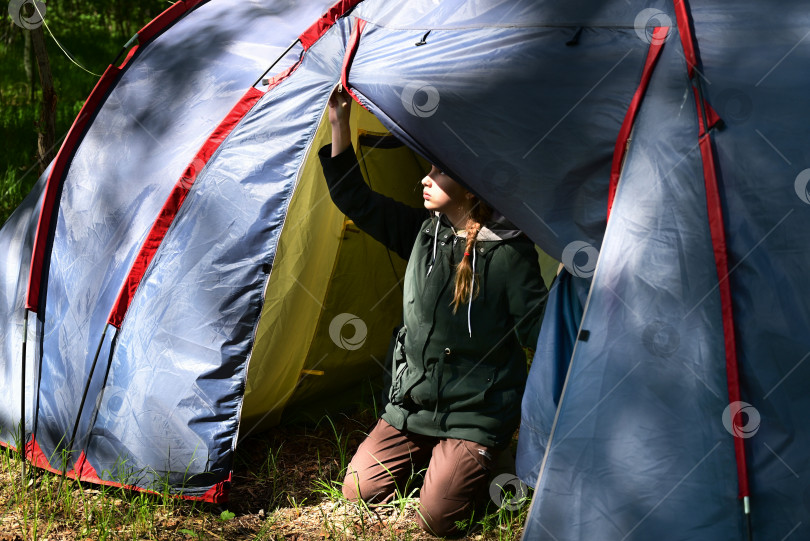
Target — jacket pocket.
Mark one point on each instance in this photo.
(398, 368)
(465, 384)
(404, 377)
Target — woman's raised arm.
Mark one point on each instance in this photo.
(391, 222)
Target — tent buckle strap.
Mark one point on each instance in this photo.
(423, 42)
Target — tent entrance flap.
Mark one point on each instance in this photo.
(334, 294)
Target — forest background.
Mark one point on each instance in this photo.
(47, 69)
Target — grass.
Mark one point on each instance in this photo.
(286, 485)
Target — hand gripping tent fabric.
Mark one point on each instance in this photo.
(658, 150)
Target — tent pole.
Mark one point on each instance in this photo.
(707, 130)
(718, 237)
(126, 46)
(259, 80)
(747, 511)
(22, 398)
(94, 414)
(81, 407)
(704, 117)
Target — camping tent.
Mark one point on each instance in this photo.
(136, 341)
(658, 149)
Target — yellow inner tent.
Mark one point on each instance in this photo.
(334, 294)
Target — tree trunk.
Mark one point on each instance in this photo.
(46, 141)
(28, 64)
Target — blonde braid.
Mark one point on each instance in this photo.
(466, 287)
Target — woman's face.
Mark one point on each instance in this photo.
(442, 193)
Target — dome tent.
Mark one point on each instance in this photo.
(686, 120)
(134, 374)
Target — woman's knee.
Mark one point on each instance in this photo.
(357, 487)
(455, 483)
(352, 489)
(439, 521)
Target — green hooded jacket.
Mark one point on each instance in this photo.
(456, 375)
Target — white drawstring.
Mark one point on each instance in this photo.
(435, 241)
(472, 289)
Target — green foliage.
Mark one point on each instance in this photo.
(93, 32)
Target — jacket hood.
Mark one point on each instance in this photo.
(496, 229)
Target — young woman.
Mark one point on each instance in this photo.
(473, 298)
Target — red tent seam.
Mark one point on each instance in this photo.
(717, 231)
(325, 22)
(173, 203)
(71, 143)
(53, 184)
(620, 151)
(84, 472)
(351, 51)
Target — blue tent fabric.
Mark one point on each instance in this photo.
(560, 200)
(16, 243)
(602, 449)
(762, 155)
(628, 432)
(641, 413)
(171, 95)
(204, 335)
(555, 345)
(129, 160)
(639, 447)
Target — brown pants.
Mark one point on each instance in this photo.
(456, 478)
